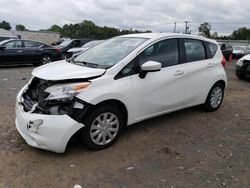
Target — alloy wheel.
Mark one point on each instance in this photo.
(46, 59)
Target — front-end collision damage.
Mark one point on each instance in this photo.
(35, 100)
(48, 124)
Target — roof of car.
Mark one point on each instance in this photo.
(159, 35)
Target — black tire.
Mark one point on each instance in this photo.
(45, 59)
(208, 105)
(89, 120)
(239, 75)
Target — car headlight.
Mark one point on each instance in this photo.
(65, 91)
(239, 63)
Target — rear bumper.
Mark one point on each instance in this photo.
(58, 57)
(54, 132)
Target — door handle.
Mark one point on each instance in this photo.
(178, 73)
(19, 51)
(209, 65)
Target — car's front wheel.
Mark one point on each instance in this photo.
(214, 98)
(103, 126)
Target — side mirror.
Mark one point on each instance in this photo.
(149, 66)
(2, 48)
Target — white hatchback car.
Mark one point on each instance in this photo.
(121, 81)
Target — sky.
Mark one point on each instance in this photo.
(155, 15)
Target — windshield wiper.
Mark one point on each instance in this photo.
(93, 65)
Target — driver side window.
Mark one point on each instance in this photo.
(165, 52)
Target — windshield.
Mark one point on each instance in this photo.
(4, 41)
(110, 52)
(65, 43)
(92, 43)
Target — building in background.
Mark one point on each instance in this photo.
(47, 37)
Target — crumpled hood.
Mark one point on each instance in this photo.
(77, 49)
(62, 70)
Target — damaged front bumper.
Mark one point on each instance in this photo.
(44, 131)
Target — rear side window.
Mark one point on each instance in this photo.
(32, 44)
(165, 52)
(195, 50)
(212, 48)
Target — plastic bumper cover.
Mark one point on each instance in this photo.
(54, 132)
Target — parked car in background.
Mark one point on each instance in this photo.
(16, 51)
(73, 43)
(240, 51)
(247, 50)
(65, 39)
(119, 82)
(226, 50)
(243, 67)
(86, 46)
(60, 41)
(2, 38)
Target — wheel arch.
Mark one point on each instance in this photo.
(120, 105)
(221, 82)
(46, 54)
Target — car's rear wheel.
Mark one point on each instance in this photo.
(46, 59)
(214, 98)
(103, 126)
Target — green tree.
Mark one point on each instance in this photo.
(214, 35)
(5, 25)
(20, 27)
(55, 28)
(205, 29)
(241, 34)
(88, 29)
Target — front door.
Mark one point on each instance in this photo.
(160, 91)
(12, 53)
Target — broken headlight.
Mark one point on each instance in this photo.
(65, 91)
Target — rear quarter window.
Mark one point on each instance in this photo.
(212, 48)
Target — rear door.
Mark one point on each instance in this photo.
(32, 51)
(199, 69)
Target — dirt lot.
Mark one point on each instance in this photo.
(189, 148)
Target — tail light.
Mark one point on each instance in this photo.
(58, 50)
(223, 61)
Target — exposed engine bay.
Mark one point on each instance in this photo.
(35, 100)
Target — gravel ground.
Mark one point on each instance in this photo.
(189, 148)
